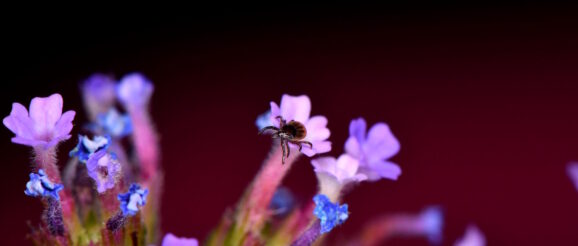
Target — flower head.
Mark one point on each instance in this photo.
(86, 147)
(39, 185)
(131, 201)
(298, 108)
(373, 150)
(44, 126)
(473, 237)
(134, 90)
(329, 213)
(114, 123)
(172, 240)
(431, 220)
(104, 168)
(98, 92)
(344, 169)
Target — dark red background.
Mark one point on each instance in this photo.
(483, 102)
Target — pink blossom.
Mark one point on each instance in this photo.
(44, 126)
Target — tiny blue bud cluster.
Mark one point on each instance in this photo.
(39, 185)
(131, 201)
(116, 124)
(86, 147)
(330, 214)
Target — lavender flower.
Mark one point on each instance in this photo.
(98, 93)
(472, 237)
(104, 168)
(431, 221)
(131, 201)
(114, 123)
(373, 150)
(172, 240)
(39, 185)
(344, 169)
(44, 126)
(298, 108)
(86, 147)
(329, 213)
(134, 90)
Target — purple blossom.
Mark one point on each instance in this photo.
(172, 240)
(373, 150)
(472, 237)
(134, 90)
(44, 126)
(298, 108)
(344, 169)
(104, 169)
(133, 200)
(39, 185)
(264, 120)
(432, 220)
(98, 93)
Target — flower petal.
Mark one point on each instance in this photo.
(380, 144)
(319, 147)
(296, 108)
(64, 124)
(275, 111)
(317, 129)
(346, 167)
(357, 129)
(386, 169)
(326, 164)
(18, 122)
(45, 112)
(172, 240)
(353, 148)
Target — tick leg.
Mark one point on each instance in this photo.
(308, 143)
(268, 128)
(288, 148)
(300, 145)
(282, 122)
(283, 148)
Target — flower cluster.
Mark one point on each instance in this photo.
(107, 195)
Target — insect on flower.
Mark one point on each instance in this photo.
(293, 132)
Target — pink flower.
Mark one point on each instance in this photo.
(373, 150)
(344, 169)
(44, 126)
(473, 237)
(298, 108)
(172, 240)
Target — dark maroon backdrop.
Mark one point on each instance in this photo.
(483, 102)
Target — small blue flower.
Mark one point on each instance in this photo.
(86, 147)
(282, 202)
(329, 213)
(264, 120)
(39, 185)
(116, 124)
(131, 201)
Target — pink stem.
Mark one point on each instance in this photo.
(145, 141)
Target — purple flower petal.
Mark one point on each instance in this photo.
(472, 237)
(45, 112)
(357, 129)
(172, 240)
(19, 122)
(380, 143)
(295, 108)
(344, 169)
